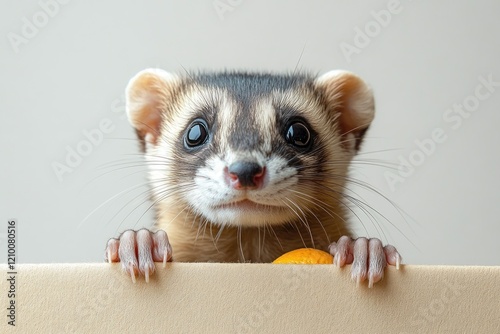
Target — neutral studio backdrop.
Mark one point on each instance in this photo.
(64, 66)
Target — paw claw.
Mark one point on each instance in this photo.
(165, 253)
(393, 257)
(336, 260)
(370, 281)
(341, 251)
(138, 250)
(368, 257)
(146, 273)
(132, 273)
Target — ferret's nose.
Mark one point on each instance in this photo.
(245, 175)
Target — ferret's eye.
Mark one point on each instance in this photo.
(197, 134)
(298, 135)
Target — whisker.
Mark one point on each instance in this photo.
(240, 243)
(275, 235)
(303, 219)
(293, 223)
(343, 194)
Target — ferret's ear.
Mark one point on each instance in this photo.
(348, 95)
(147, 96)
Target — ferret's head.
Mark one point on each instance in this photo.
(248, 149)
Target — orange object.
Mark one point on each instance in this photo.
(305, 256)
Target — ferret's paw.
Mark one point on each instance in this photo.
(138, 250)
(368, 258)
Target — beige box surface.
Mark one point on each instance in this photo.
(251, 298)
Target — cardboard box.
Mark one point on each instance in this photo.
(251, 298)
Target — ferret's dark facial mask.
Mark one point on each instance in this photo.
(249, 149)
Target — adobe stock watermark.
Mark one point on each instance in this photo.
(222, 7)
(93, 138)
(262, 310)
(31, 27)
(102, 298)
(437, 307)
(453, 117)
(364, 36)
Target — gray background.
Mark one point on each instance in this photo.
(70, 75)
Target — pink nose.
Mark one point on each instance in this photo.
(245, 175)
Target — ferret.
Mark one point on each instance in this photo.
(244, 167)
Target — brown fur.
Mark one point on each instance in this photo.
(201, 243)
